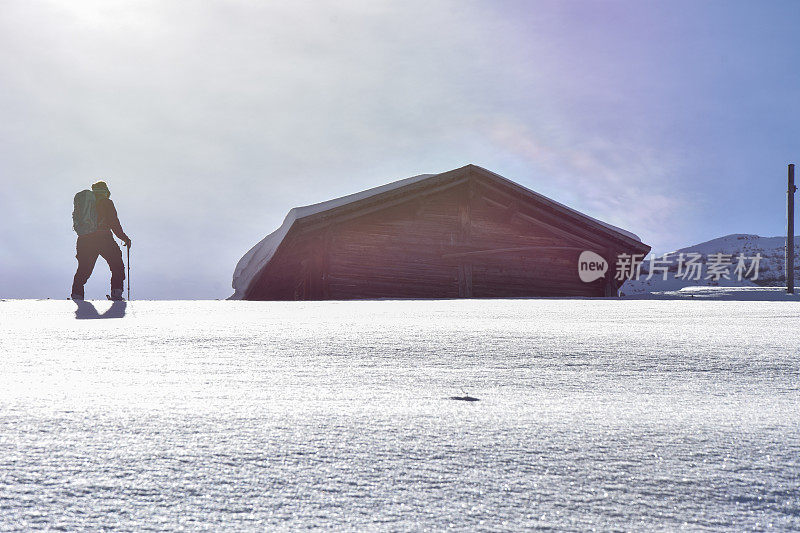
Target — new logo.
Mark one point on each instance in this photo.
(591, 266)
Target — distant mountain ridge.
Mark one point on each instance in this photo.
(770, 272)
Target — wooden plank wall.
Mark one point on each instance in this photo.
(471, 240)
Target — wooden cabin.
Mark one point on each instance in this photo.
(466, 233)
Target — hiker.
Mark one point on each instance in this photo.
(94, 218)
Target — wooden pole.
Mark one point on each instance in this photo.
(129, 273)
(790, 232)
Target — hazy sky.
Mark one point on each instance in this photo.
(210, 120)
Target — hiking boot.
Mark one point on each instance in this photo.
(116, 295)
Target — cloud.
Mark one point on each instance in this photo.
(624, 184)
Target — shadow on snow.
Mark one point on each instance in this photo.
(86, 310)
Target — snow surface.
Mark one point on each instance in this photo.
(259, 255)
(742, 293)
(596, 414)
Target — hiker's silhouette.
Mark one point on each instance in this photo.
(86, 310)
(94, 219)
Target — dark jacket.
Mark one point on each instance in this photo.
(107, 218)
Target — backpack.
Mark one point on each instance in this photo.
(84, 214)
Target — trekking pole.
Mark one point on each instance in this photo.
(129, 272)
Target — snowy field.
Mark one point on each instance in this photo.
(593, 414)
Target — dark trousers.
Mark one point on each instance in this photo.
(89, 247)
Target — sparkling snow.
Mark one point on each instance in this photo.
(605, 414)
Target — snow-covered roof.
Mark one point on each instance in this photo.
(259, 255)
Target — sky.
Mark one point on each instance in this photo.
(210, 120)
